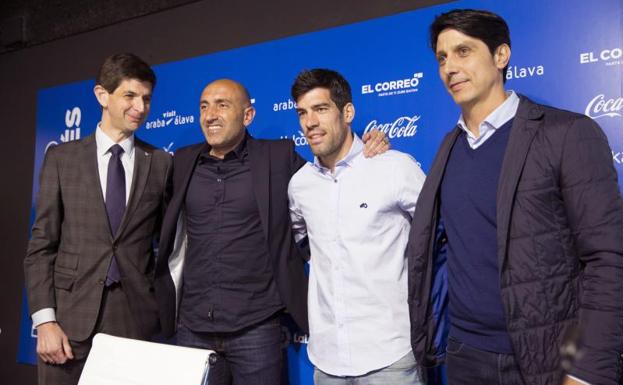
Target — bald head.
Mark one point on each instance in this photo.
(226, 111)
(234, 88)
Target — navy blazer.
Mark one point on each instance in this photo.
(272, 163)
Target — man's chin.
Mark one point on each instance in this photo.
(133, 126)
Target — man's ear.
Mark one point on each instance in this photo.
(502, 55)
(249, 114)
(101, 95)
(349, 112)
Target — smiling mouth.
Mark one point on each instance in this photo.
(214, 128)
(457, 86)
(315, 138)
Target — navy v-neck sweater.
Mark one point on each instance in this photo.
(468, 211)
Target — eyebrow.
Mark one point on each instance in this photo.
(457, 46)
(325, 104)
(220, 100)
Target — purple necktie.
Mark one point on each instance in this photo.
(115, 204)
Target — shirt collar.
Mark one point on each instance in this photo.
(496, 119)
(104, 143)
(355, 149)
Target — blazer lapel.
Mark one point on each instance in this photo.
(525, 125)
(142, 165)
(260, 175)
(90, 172)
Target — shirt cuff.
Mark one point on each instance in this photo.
(578, 380)
(42, 316)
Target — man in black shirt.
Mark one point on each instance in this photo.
(227, 233)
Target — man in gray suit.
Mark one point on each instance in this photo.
(90, 260)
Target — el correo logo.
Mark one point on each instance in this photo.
(394, 87)
(610, 56)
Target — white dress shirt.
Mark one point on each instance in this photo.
(358, 220)
(496, 119)
(103, 143)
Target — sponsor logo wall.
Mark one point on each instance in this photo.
(566, 53)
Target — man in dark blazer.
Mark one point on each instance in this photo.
(227, 235)
(90, 261)
(522, 201)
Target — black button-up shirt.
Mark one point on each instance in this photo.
(228, 280)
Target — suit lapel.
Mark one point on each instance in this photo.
(142, 165)
(90, 172)
(525, 125)
(260, 175)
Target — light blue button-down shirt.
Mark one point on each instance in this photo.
(358, 219)
(496, 119)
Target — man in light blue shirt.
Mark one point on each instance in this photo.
(356, 212)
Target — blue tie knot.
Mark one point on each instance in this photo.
(116, 150)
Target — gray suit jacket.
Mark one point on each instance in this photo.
(71, 244)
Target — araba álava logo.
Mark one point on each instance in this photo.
(168, 118)
(73, 118)
(601, 107)
(517, 72)
(402, 127)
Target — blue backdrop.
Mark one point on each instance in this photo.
(567, 53)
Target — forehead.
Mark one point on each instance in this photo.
(314, 96)
(134, 85)
(222, 90)
(451, 38)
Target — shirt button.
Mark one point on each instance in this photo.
(219, 180)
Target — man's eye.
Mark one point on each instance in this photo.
(463, 51)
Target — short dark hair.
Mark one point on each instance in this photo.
(483, 25)
(121, 66)
(338, 87)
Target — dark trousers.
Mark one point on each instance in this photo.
(467, 365)
(252, 356)
(114, 318)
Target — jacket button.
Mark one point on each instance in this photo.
(101, 281)
(213, 359)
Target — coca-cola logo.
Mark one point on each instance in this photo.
(403, 127)
(601, 107)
